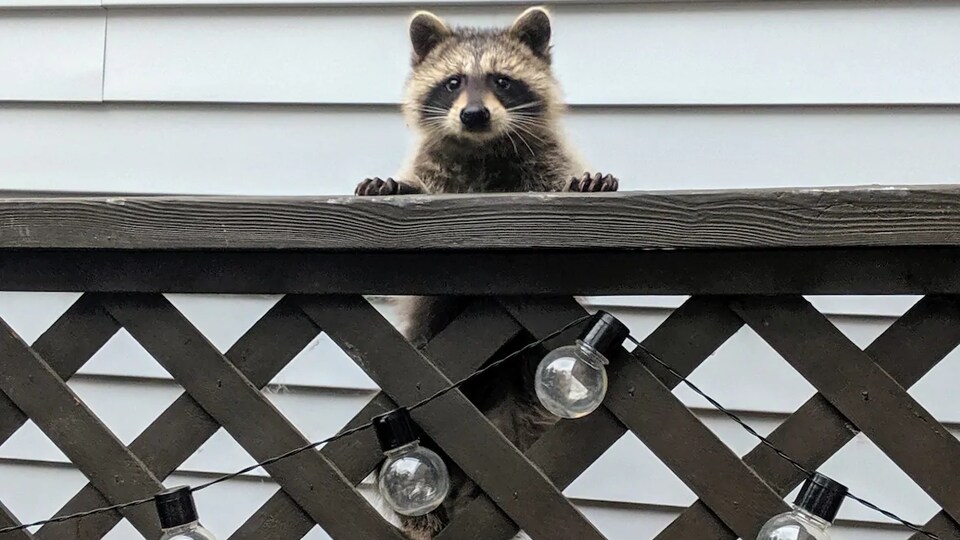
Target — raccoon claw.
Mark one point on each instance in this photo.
(596, 182)
(376, 186)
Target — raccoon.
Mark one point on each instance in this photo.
(487, 109)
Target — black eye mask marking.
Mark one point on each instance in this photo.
(442, 96)
(514, 93)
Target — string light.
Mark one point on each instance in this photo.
(604, 334)
(306, 447)
(413, 480)
(178, 516)
(571, 380)
(814, 509)
(766, 442)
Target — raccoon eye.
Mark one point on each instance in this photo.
(503, 83)
(452, 84)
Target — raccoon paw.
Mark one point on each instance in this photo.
(596, 182)
(376, 186)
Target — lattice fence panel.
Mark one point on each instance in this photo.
(857, 389)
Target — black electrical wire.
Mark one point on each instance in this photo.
(766, 442)
(312, 445)
(456, 385)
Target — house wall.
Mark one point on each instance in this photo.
(256, 97)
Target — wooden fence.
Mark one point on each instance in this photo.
(744, 257)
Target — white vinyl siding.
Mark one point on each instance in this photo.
(300, 97)
(704, 54)
(311, 150)
(51, 55)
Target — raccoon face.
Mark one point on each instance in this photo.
(480, 84)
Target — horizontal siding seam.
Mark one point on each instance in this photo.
(226, 105)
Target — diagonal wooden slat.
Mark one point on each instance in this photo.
(907, 350)
(690, 334)
(464, 345)
(37, 391)
(502, 471)
(358, 453)
(861, 390)
(694, 453)
(460, 348)
(7, 519)
(941, 525)
(818, 417)
(66, 345)
(279, 517)
(690, 449)
(226, 395)
(687, 337)
(482, 519)
(184, 426)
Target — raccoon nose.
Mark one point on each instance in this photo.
(475, 117)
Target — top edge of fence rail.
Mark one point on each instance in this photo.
(861, 216)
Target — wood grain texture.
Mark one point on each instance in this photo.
(248, 416)
(518, 487)
(907, 350)
(266, 348)
(907, 270)
(63, 417)
(762, 218)
(863, 391)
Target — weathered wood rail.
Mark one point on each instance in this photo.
(744, 257)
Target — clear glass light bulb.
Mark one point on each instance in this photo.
(795, 525)
(178, 516)
(413, 480)
(571, 381)
(813, 512)
(190, 531)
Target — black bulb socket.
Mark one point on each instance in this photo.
(395, 429)
(821, 496)
(605, 333)
(175, 507)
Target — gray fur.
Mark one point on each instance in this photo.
(523, 152)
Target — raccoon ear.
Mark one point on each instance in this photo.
(532, 28)
(426, 32)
